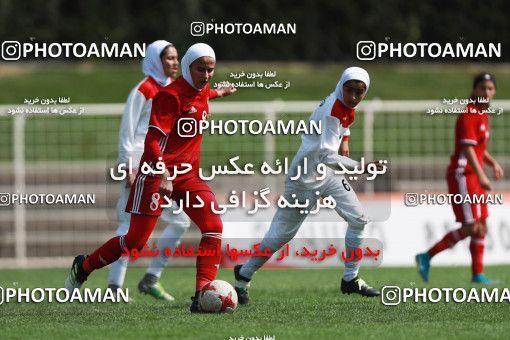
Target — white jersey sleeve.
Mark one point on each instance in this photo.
(321, 147)
(133, 112)
(330, 138)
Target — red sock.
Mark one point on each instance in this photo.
(477, 247)
(140, 229)
(207, 266)
(104, 255)
(211, 226)
(448, 241)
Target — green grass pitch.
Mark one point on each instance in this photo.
(286, 304)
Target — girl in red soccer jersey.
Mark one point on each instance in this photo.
(466, 177)
(184, 100)
(160, 66)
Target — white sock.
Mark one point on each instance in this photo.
(251, 267)
(169, 238)
(117, 271)
(254, 263)
(353, 239)
(284, 227)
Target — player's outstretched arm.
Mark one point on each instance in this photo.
(469, 151)
(496, 168)
(329, 147)
(226, 91)
(344, 148)
(221, 92)
(166, 187)
(153, 154)
(132, 111)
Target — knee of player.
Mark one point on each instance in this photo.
(481, 231)
(214, 225)
(358, 222)
(180, 225)
(122, 229)
(286, 236)
(211, 229)
(469, 229)
(132, 243)
(483, 226)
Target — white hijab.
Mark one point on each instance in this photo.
(351, 73)
(193, 53)
(152, 65)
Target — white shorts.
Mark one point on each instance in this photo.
(287, 221)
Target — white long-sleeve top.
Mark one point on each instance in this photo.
(335, 120)
(135, 121)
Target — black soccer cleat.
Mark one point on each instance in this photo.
(113, 287)
(358, 286)
(241, 286)
(77, 275)
(195, 304)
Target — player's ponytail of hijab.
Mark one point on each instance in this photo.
(193, 53)
(152, 65)
(351, 73)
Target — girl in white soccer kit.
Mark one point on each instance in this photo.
(336, 114)
(159, 66)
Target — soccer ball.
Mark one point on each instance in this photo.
(218, 297)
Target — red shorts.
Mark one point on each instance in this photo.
(467, 184)
(145, 199)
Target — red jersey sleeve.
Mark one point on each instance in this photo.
(466, 129)
(213, 94)
(165, 112)
(152, 149)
